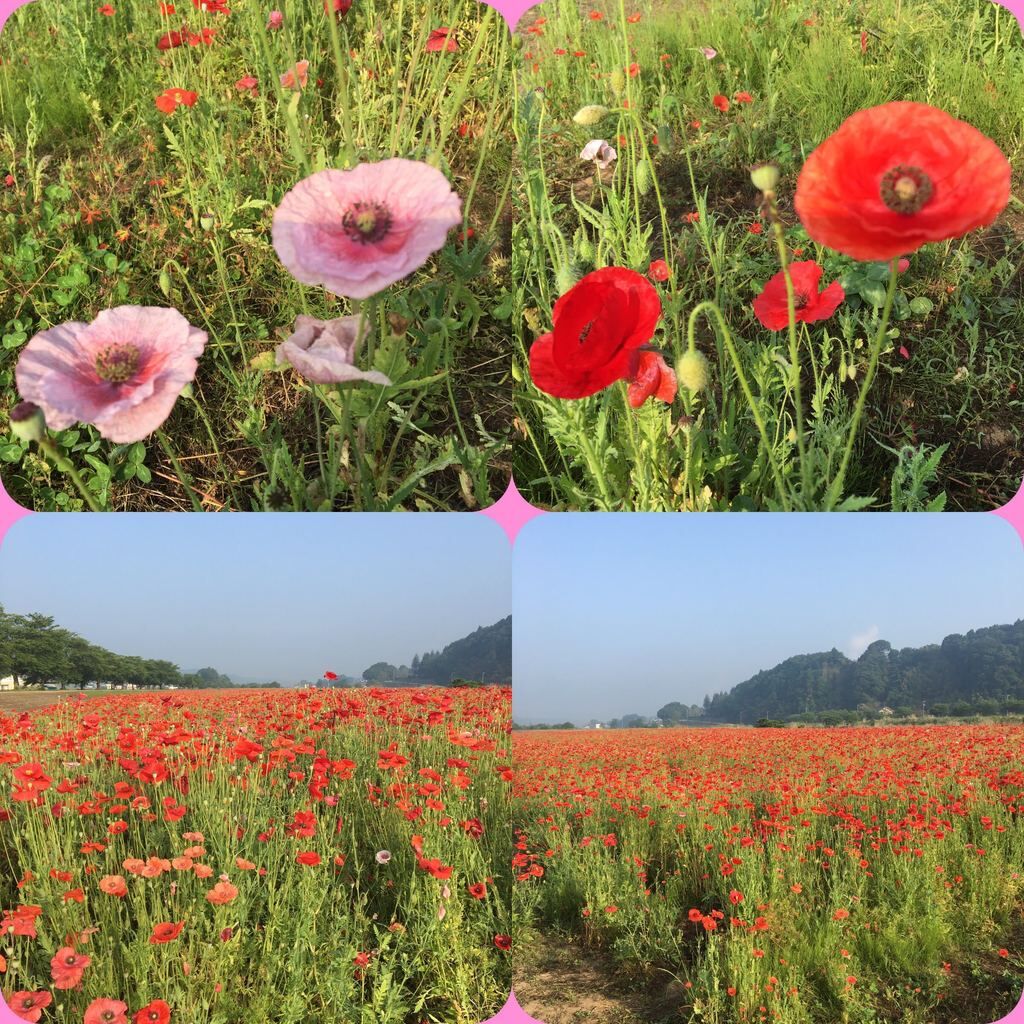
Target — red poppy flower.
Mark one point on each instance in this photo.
(157, 1012)
(478, 890)
(771, 306)
(721, 103)
(651, 378)
(341, 7)
(331, 675)
(441, 40)
(106, 1011)
(30, 1005)
(659, 270)
(107, 10)
(743, 97)
(503, 942)
(309, 858)
(170, 40)
(67, 968)
(166, 931)
(169, 100)
(598, 325)
(897, 176)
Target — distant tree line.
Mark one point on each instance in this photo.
(980, 672)
(35, 651)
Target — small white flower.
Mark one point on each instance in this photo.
(383, 856)
(598, 151)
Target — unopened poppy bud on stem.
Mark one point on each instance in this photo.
(28, 422)
(692, 371)
(618, 82)
(765, 177)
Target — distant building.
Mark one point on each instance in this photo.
(7, 683)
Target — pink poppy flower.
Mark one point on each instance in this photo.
(356, 232)
(248, 84)
(324, 351)
(599, 152)
(275, 20)
(296, 77)
(442, 39)
(122, 373)
(106, 1011)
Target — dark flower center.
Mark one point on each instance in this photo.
(905, 189)
(117, 363)
(801, 300)
(366, 222)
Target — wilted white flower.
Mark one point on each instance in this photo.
(709, 52)
(599, 152)
(383, 856)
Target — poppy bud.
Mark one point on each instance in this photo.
(28, 422)
(644, 177)
(692, 371)
(590, 115)
(765, 177)
(618, 82)
(564, 279)
(206, 221)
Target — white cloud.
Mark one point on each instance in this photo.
(860, 642)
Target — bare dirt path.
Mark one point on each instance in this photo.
(559, 981)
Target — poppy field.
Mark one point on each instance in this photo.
(800, 875)
(768, 255)
(335, 855)
(253, 258)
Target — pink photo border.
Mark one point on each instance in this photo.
(512, 512)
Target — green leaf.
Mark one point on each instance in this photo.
(921, 306)
(873, 293)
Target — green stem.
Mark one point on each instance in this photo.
(836, 489)
(197, 505)
(794, 353)
(745, 386)
(65, 466)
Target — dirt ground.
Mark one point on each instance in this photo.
(558, 981)
(32, 700)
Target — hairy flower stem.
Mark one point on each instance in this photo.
(836, 490)
(53, 453)
(772, 213)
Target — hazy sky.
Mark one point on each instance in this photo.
(267, 596)
(618, 614)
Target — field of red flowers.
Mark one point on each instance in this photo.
(780, 874)
(337, 855)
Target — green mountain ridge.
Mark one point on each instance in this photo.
(983, 665)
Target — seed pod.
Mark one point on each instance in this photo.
(590, 115)
(618, 82)
(644, 177)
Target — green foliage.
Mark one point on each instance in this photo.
(981, 671)
(485, 655)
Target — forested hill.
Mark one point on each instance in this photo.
(485, 656)
(982, 665)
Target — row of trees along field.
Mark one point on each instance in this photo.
(35, 650)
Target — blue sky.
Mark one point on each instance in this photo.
(265, 596)
(623, 613)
